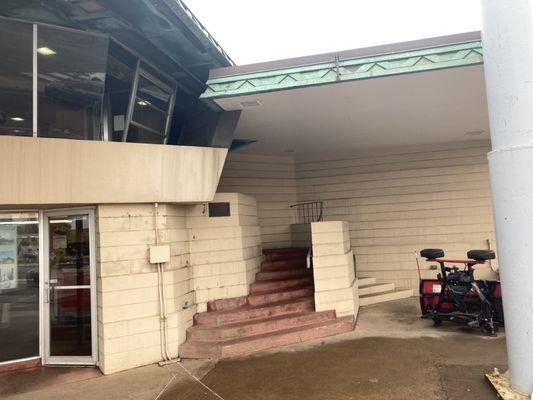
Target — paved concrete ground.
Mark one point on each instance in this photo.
(392, 354)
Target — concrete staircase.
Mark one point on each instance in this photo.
(279, 311)
(371, 292)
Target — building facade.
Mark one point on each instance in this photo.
(103, 145)
(122, 216)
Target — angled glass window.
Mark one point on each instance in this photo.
(121, 67)
(151, 110)
(72, 68)
(16, 66)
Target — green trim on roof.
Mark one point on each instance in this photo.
(456, 55)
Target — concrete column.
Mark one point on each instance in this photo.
(508, 55)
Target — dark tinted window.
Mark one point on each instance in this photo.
(72, 67)
(16, 64)
(119, 81)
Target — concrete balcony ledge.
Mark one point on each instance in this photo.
(40, 171)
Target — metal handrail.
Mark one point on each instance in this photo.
(312, 211)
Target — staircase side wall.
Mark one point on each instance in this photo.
(225, 251)
(336, 286)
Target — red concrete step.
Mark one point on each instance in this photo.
(285, 254)
(227, 304)
(274, 296)
(254, 312)
(204, 333)
(268, 286)
(283, 264)
(283, 275)
(280, 295)
(247, 345)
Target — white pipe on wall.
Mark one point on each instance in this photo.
(508, 58)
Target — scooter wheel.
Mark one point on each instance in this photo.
(437, 321)
(490, 329)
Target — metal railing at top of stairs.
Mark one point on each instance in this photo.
(312, 211)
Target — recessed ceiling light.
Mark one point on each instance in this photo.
(144, 103)
(475, 133)
(91, 6)
(250, 103)
(46, 51)
(17, 119)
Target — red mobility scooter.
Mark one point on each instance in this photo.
(456, 296)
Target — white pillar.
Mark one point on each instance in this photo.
(508, 55)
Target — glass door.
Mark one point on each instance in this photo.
(69, 288)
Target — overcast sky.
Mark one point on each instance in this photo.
(263, 30)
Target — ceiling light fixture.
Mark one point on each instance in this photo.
(17, 119)
(91, 6)
(46, 51)
(250, 103)
(475, 133)
(144, 103)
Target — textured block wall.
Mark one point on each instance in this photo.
(396, 200)
(270, 180)
(333, 268)
(128, 299)
(225, 251)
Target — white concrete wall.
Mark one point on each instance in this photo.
(37, 171)
(211, 258)
(128, 299)
(397, 201)
(225, 251)
(336, 286)
(270, 180)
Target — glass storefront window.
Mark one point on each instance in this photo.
(19, 286)
(72, 69)
(16, 68)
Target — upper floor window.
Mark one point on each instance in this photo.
(16, 65)
(62, 83)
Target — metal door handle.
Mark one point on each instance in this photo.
(46, 293)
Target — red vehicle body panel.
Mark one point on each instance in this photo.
(430, 291)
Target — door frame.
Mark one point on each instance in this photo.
(47, 359)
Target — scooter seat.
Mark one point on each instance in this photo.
(431, 254)
(481, 255)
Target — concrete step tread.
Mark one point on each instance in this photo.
(302, 328)
(283, 275)
(376, 288)
(248, 307)
(286, 290)
(265, 286)
(251, 328)
(372, 285)
(258, 321)
(252, 344)
(365, 281)
(374, 298)
(385, 293)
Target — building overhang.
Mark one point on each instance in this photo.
(415, 93)
(164, 31)
(380, 61)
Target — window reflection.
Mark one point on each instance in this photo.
(119, 81)
(16, 67)
(72, 67)
(19, 286)
(150, 112)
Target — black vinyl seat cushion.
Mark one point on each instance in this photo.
(431, 254)
(481, 255)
